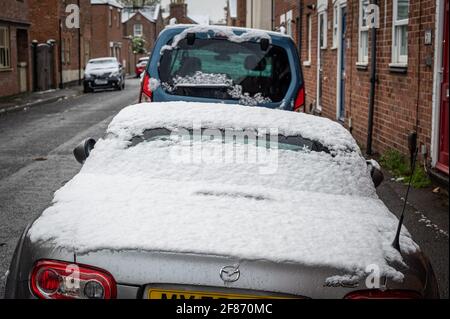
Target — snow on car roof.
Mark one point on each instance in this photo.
(133, 120)
(317, 210)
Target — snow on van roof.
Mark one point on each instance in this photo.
(133, 120)
(228, 28)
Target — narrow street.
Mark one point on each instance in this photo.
(36, 156)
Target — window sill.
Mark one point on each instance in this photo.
(362, 66)
(6, 70)
(333, 47)
(307, 63)
(398, 68)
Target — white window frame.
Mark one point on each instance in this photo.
(6, 48)
(110, 16)
(336, 7)
(363, 31)
(137, 33)
(309, 39)
(289, 23)
(324, 30)
(397, 58)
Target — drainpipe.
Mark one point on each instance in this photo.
(373, 80)
(79, 48)
(60, 53)
(300, 29)
(34, 44)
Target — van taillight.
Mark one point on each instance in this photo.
(300, 100)
(61, 280)
(383, 294)
(146, 93)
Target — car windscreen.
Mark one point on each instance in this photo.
(222, 69)
(100, 62)
(293, 143)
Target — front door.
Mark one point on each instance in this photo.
(442, 163)
(341, 79)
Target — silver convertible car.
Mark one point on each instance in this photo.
(191, 201)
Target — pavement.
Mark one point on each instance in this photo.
(28, 100)
(427, 219)
(36, 160)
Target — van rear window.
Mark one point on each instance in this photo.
(221, 69)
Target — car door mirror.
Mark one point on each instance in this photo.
(375, 172)
(82, 151)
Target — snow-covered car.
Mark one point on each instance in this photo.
(140, 66)
(229, 65)
(103, 73)
(191, 200)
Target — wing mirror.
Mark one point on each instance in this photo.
(375, 172)
(82, 151)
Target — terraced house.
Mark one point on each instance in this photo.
(405, 90)
(14, 47)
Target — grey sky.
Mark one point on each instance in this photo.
(213, 8)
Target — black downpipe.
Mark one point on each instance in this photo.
(373, 80)
(35, 76)
(79, 47)
(300, 27)
(60, 53)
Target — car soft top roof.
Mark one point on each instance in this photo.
(134, 120)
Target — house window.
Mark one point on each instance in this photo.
(309, 39)
(118, 18)
(137, 30)
(363, 47)
(335, 23)
(110, 16)
(5, 60)
(400, 32)
(289, 23)
(323, 29)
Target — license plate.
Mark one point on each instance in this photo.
(100, 82)
(184, 295)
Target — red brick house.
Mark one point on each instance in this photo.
(107, 30)
(147, 22)
(15, 76)
(236, 13)
(411, 83)
(178, 13)
(60, 50)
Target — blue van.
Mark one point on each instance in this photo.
(224, 65)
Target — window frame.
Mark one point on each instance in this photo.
(6, 47)
(363, 59)
(397, 25)
(308, 39)
(336, 7)
(141, 30)
(323, 14)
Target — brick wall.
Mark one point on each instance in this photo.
(396, 99)
(15, 16)
(104, 33)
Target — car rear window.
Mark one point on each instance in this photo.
(221, 69)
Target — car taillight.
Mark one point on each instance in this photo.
(146, 93)
(300, 100)
(383, 294)
(61, 280)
